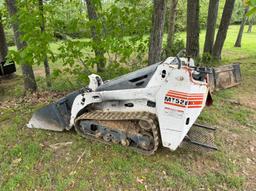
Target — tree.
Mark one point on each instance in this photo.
(27, 71)
(157, 30)
(211, 24)
(3, 44)
(223, 28)
(96, 34)
(171, 25)
(241, 30)
(42, 27)
(193, 28)
(249, 30)
(251, 20)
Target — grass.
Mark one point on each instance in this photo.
(27, 162)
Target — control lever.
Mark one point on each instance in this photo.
(201, 72)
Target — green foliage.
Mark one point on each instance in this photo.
(203, 14)
(251, 19)
(178, 45)
(68, 18)
(238, 12)
(252, 4)
(114, 70)
(122, 38)
(6, 23)
(181, 17)
(9, 37)
(206, 58)
(37, 42)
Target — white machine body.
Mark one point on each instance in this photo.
(172, 94)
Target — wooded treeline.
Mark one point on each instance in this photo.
(112, 36)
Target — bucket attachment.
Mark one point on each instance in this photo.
(55, 116)
(224, 77)
(7, 68)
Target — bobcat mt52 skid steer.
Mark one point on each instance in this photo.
(141, 110)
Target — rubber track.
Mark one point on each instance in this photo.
(123, 116)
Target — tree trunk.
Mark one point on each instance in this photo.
(241, 30)
(42, 27)
(27, 71)
(3, 44)
(211, 24)
(193, 28)
(223, 28)
(250, 27)
(171, 25)
(96, 36)
(157, 30)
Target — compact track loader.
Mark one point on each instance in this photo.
(153, 106)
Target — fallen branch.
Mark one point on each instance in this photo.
(80, 157)
(78, 160)
(59, 145)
